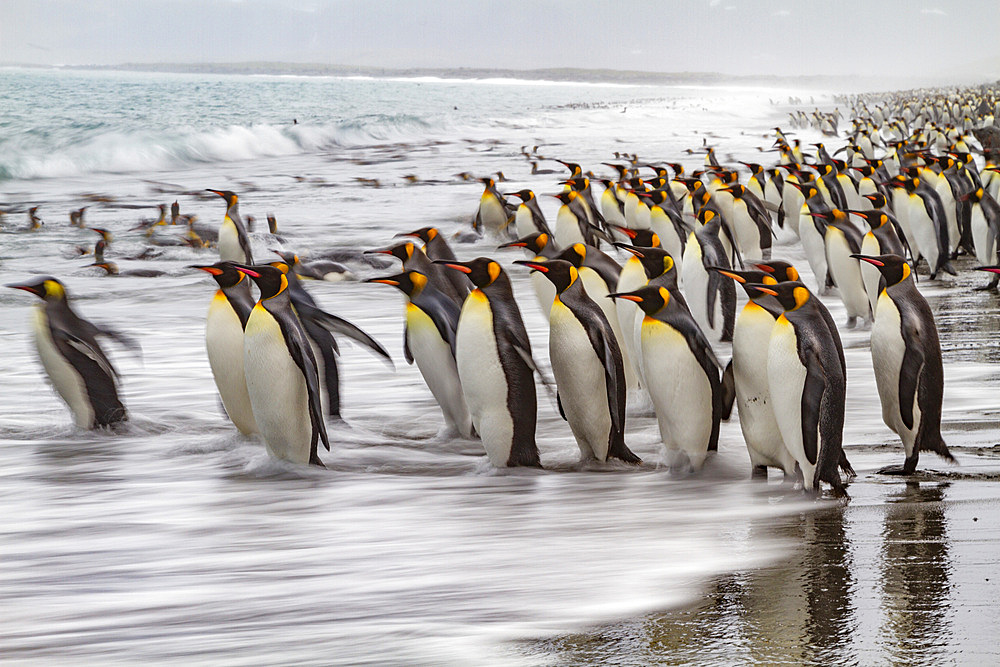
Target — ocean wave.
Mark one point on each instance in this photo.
(113, 151)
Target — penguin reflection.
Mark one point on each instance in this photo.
(916, 570)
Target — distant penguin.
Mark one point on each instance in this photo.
(492, 215)
(429, 339)
(281, 372)
(495, 366)
(906, 355)
(234, 244)
(73, 359)
(587, 364)
(711, 297)
(682, 375)
(808, 385)
(227, 317)
(751, 341)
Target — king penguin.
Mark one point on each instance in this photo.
(227, 317)
(429, 339)
(282, 377)
(234, 244)
(682, 375)
(906, 355)
(808, 385)
(495, 367)
(586, 358)
(73, 359)
(711, 297)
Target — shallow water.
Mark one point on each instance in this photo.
(178, 541)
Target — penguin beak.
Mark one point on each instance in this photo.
(631, 233)
(628, 297)
(411, 234)
(729, 274)
(27, 288)
(766, 268)
(246, 271)
(765, 290)
(452, 265)
(384, 281)
(991, 269)
(513, 244)
(870, 260)
(383, 251)
(534, 266)
(207, 269)
(632, 249)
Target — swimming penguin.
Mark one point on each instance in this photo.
(234, 244)
(906, 355)
(429, 339)
(73, 359)
(495, 367)
(587, 364)
(682, 375)
(227, 317)
(492, 215)
(808, 385)
(751, 341)
(436, 247)
(711, 297)
(281, 373)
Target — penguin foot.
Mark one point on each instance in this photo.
(852, 322)
(892, 470)
(991, 287)
(759, 473)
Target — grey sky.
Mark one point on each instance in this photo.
(897, 37)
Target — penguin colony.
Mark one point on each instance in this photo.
(638, 284)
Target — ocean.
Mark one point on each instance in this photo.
(178, 541)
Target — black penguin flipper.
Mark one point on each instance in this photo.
(703, 352)
(339, 325)
(97, 373)
(443, 313)
(126, 341)
(88, 348)
(909, 373)
(302, 355)
(728, 391)
(562, 413)
(813, 392)
(327, 346)
(406, 345)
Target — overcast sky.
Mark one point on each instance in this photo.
(896, 37)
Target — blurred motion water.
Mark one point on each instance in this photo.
(179, 541)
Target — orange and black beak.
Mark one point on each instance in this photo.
(534, 266)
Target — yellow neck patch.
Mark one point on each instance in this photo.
(573, 275)
(419, 281)
(54, 289)
(494, 270)
(665, 295)
(801, 295)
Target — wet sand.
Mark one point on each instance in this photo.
(905, 573)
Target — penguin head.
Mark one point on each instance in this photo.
(707, 216)
(650, 299)
(875, 218)
(791, 295)
(655, 261)
(566, 197)
(228, 195)
(401, 251)
(46, 288)
(105, 234)
(745, 278)
(877, 199)
(892, 267)
(524, 195)
(270, 280)
(574, 254)
(560, 273)
(573, 167)
(737, 191)
(781, 271)
(535, 242)
(289, 258)
(410, 283)
(753, 167)
(488, 182)
(110, 268)
(643, 238)
(425, 234)
(482, 271)
(225, 273)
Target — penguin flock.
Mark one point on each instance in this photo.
(639, 288)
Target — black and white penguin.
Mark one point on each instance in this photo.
(429, 339)
(492, 215)
(906, 355)
(586, 358)
(538, 247)
(842, 241)
(881, 239)
(751, 341)
(281, 372)
(436, 247)
(73, 359)
(528, 218)
(495, 367)
(808, 385)
(227, 317)
(711, 297)
(682, 375)
(234, 244)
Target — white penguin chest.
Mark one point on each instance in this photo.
(67, 380)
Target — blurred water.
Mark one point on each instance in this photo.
(178, 541)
